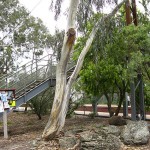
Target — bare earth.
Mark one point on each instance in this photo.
(25, 128)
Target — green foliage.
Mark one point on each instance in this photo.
(98, 73)
(71, 108)
(92, 115)
(130, 47)
(42, 103)
(118, 53)
(57, 42)
(95, 78)
(20, 33)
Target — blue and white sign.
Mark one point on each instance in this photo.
(4, 97)
(1, 106)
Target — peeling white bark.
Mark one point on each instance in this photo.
(54, 124)
(82, 56)
(63, 89)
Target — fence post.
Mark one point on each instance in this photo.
(141, 97)
(125, 106)
(133, 105)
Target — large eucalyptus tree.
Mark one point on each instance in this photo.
(63, 87)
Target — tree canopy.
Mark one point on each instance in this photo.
(20, 33)
(116, 54)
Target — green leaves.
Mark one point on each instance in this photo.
(21, 32)
(116, 54)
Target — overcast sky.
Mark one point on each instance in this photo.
(40, 8)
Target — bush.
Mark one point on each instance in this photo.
(71, 108)
(92, 115)
(42, 103)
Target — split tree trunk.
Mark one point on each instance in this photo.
(109, 101)
(94, 106)
(63, 88)
(56, 120)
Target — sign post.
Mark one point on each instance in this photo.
(5, 124)
(7, 100)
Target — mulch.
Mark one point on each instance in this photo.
(25, 130)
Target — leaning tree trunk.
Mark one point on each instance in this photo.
(63, 88)
(109, 101)
(55, 122)
(121, 97)
(94, 106)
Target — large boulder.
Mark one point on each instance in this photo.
(91, 140)
(135, 132)
(100, 139)
(117, 121)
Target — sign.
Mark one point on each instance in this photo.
(7, 99)
(12, 103)
(1, 106)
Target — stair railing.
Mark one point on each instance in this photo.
(32, 72)
(29, 73)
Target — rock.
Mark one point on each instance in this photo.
(111, 129)
(117, 121)
(101, 140)
(48, 145)
(34, 143)
(87, 136)
(39, 138)
(91, 145)
(73, 132)
(112, 143)
(67, 142)
(135, 132)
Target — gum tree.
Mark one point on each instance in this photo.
(63, 87)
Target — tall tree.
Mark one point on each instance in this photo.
(63, 88)
(20, 33)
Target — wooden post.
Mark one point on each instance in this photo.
(128, 13)
(5, 124)
(141, 97)
(134, 12)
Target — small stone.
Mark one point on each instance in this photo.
(34, 143)
(67, 142)
(38, 139)
(117, 121)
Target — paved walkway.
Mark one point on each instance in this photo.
(103, 114)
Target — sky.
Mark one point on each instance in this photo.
(41, 9)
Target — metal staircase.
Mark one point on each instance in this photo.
(32, 78)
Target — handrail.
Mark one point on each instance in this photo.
(33, 71)
(28, 69)
(27, 64)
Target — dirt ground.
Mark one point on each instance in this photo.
(25, 128)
